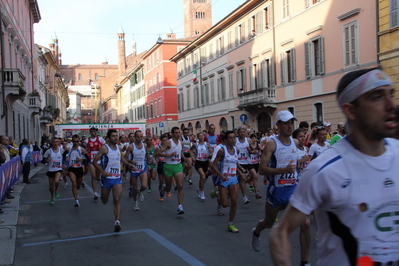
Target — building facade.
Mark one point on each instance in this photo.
(268, 56)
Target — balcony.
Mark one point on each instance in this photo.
(259, 98)
(46, 117)
(14, 83)
(34, 104)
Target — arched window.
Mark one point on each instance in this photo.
(198, 127)
(79, 76)
(190, 128)
(96, 76)
(223, 124)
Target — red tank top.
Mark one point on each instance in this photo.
(94, 145)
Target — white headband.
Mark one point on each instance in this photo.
(363, 84)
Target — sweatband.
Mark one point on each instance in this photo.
(363, 84)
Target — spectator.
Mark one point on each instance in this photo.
(340, 133)
(26, 158)
(4, 152)
(12, 147)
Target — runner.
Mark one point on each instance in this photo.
(64, 178)
(74, 157)
(151, 163)
(137, 155)
(172, 151)
(53, 157)
(188, 162)
(321, 145)
(303, 151)
(279, 162)
(254, 159)
(111, 178)
(242, 144)
(215, 191)
(227, 176)
(202, 151)
(93, 144)
(165, 184)
(352, 188)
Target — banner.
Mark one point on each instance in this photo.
(9, 175)
(36, 157)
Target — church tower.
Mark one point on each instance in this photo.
(197, 17)
(134, 47)
(121, 51)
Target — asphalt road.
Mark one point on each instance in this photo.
(61, 234)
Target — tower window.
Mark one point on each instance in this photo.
(199, 14)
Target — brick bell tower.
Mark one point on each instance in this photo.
(197, 17)
(121, 51)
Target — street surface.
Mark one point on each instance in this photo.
(61, 234)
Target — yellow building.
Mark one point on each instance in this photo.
(388, 32)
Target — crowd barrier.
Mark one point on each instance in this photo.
(9, 174)
(36, 157)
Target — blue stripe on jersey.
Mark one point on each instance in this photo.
(104, 161)
(333, 160)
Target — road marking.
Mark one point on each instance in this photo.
(160, 239)
(40, 201)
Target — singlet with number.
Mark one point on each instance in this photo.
(138, 155)
(71, 157)
(111, 162)
(186, 144)
(93, 146)
(228, 167)
(302, 153)
(281, 157)
(255, 157)
(202, 152)
(56, 160)
(174, 148)
(243, 156)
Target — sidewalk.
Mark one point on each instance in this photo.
(8, 229)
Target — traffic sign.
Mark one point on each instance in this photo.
(243, 117)
(161, 125)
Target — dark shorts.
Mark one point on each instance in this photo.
(78, 172)
(52, 174)
(201, 165)
(253, 166)
(160, 168)
(187, 154)
(245, 166)
(279, 196)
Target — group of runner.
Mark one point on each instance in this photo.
(233, 159)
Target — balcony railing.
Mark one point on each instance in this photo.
(262, 97)
(14, 80)
(34, 104)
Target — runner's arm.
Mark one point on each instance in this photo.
(264, 169)
(214, 164)
(86, 155)
(101, 152)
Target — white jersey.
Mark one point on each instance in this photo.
(174, 148)
(302, 153)
(215, 152)
(186, 144)
(281, 157)
(55, 164)
(243, 156)
(228, 167)
(69, 145)
(356, 202)
(202, 152)
(139, 156)
(111, 162)
(254, 158)
(315, 150)
(72, 156)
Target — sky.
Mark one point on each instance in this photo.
(87, 29)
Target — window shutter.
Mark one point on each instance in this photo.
(307, 3)
(219, 81)
(243, 32)
(271, 72)
(251, 76)
(244, 79)
(223, 84)
(238, 81)
(217, 47)
(259, 22)
(249, 28)
(307, 60)
(237, 36)
(222, 45)
(292, 63)
(282, 67)
(263, 74)
(321, 48)
(394, 13)
(259, 76)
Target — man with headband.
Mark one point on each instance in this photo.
(352, 188)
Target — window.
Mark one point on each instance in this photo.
(240, 33)
(287, 63)
(158, 81)
(160, 107)
(393, 13)
(286, 8)
(178, 103)
(266, 13)
(203, 55)
(254, 71)
(206, 98)
(314, 57)
(196, 97)
(229, 41)
(231, 89)
(182, 102)
(79, 76)
(221, 87)
(155, 109)
(291, 109)
(96, 76)
(212, 91)
(188, 64)
(241, 80)
(188, 99)
(199, 14)
(318, 111)
(350, 44)
(220, 46)
(210, 52)
(267, 73)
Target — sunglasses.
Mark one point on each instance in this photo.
(75, 140)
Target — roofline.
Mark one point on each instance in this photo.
(34, 8)
(166, 41)
(134, 70)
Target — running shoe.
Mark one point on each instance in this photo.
(66, 185)
(136, 206)
(51, 201)
(149, 190)
(251, 189)
(117, 227)
(162, 191)
(198, 193)
(202, 195)
(257, 196)
(130, 192)
(232, 228)
(190, 182)
(57, 195)
(168, 194)
(77, 204)
(265, 180)
(255, 241)
(220, 211)
(96, 196)
(141, 195)
(214, 192)
(245, 200)
(180, 210)
(160, 199)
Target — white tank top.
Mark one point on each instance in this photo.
(138, 155)
(186, 144)
(243, 156)
(56, 160)
(281, 157)
(174, 148)
(254, 157)
(202, 152)
(228, 167)
(111, 162)
(72, 156)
